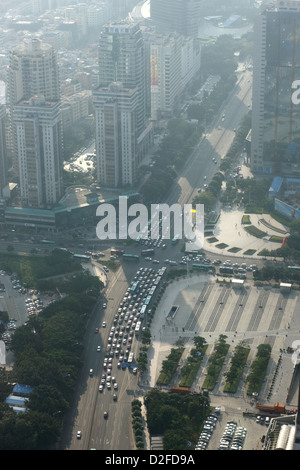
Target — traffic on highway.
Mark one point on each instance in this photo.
(110, 377)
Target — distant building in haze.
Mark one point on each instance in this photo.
(180, 16)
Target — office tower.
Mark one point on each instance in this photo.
(32, 70)
(116, 134)
(276, 75)
(3, 156)
(122, 59)
(181, 16)
(39, 145)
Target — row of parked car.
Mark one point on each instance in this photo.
(206, 433)
(233, 437)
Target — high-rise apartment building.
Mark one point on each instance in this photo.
(122, 59)
(180, 16)
(116, 135)
(174, 60)
(276, 85)
(39, 146)
(3, 156)
(32, 70)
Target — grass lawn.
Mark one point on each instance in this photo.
(256, 232)
(276, 238)
(249, 252)
(246, 219)
(235, 249)
(221, 245)
(212, 240)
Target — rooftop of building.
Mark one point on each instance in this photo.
(74, 198)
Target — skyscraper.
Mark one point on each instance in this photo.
(32, 70)
(181, 16)
(122, 59)
(3, 160)
(116, 134)
(276, 81)
(39, 147)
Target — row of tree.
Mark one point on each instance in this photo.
(48, 353)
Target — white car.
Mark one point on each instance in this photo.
(78, 435)
(98, 348)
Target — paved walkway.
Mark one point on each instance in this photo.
(230, 231)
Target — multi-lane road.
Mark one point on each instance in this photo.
(214, 144)
(87, 413)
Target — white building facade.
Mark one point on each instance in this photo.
(39, 146)
(116, 135)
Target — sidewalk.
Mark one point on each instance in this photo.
(230, 231)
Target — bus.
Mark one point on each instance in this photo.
(295, 268)
(130, 257)
(134, 287)
(130, 358)
(143, 309)
(83, 257)
(175, 239)
(47, 242)
(116, 252)
(226, 270)
(137, 327)
(201, 267)
(148, 299)
(162, 271)
(149, 251)
(191, 253)
(152, 290)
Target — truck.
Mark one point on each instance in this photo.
(276, 408)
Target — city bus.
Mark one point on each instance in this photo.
(130, 358)
(129, 257)
(149, 251)
(162, 271)
(191, 253)
(134, 287)
(226, 270)
(143, 309)
(47, 242)
(137, 328)
(201, 267)
(152, 290)
(117, 252)
(175, 239)
(83, 257)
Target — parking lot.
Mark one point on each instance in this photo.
(20, 304)
(252, 315)
(234, 431)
